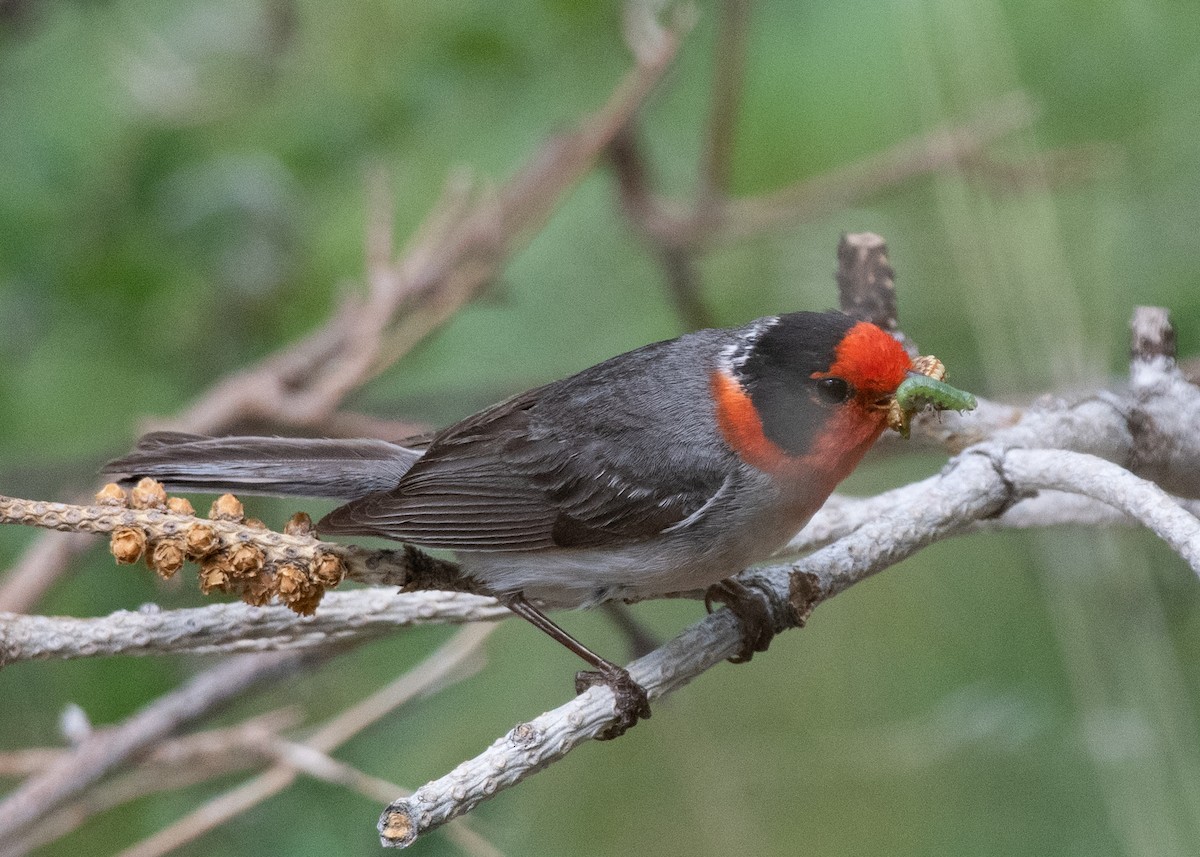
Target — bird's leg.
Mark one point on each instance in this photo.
(630, 703)
(752, 608)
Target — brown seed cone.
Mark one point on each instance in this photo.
(200, 540)
(180, 506)
(166, 557)
(290, 581)
(215, 574)
(127, 544)
(227, 508)
(328, 570)
(147, 494)
(297, 590)
(245, 560)
(112, 494)
(259, 589)
(300, 524)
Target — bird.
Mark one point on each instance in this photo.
(665, 469)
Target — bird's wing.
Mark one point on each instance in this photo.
(507, 479)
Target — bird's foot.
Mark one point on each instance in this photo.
(630, 703)
(753, 610)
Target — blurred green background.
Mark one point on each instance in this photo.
(183, 189)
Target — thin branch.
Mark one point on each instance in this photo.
(449, 660)
(43, 562)
(975, 486)
(360, 614)
(669, 223)
(1101, 480)
(923, 154)
(729, 67)
(174, 764)
(978, 485)
(184, 751)
(678, 232)
(107, 749)
(306, 759)
(304, 384)
(643, 208)
(842, 515)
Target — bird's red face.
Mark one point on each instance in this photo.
(806, 396)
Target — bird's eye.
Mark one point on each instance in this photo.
(834, 390)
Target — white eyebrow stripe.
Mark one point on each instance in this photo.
(735, 354)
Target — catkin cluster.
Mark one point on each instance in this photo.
(235, 554)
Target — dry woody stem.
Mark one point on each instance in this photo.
(1128, 448)
(1116, 456)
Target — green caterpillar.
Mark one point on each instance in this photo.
(917, 392)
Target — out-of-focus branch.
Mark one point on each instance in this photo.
(923, 154)
(184, 751)
(43, 562)
(452, 660)
(464, 242)
(729, 67)
(633, 182)
(174, 764)
(679, 232)
(107, 749)
(669, 223)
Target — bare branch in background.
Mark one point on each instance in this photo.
(679, 233)
(925, 153)
(455, 254)
(441, 667)
(669, 223)
(175, 764)
(729, 70)
(105, 750)
(1093, 448)
(1105, 451)
(866, 280)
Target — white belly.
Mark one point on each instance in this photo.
(691, 560)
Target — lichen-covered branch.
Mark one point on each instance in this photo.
(1057, 449)
(237, 627)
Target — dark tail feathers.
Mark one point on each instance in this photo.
(303, 467)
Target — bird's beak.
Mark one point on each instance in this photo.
(924, 388)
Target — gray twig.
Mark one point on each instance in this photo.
(107, 749)
(1061, 448)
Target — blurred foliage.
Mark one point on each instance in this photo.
(184, 189)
